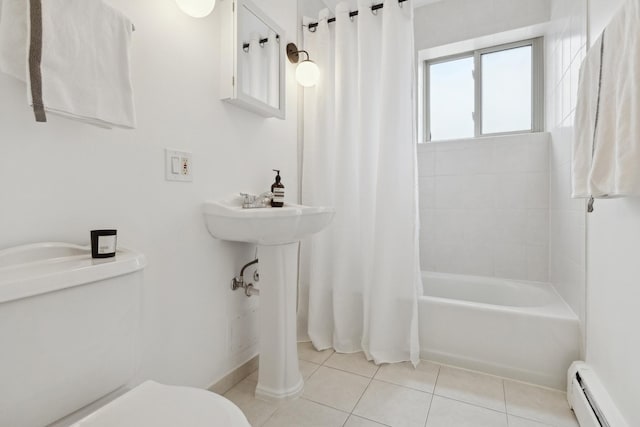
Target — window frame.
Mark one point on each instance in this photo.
(537, 87)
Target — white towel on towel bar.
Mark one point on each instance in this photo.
(585, 115)
(614, 170)
(13, 38)
(85, 59)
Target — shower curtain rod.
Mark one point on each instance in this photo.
(375, 7)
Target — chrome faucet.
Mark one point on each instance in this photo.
(250, 201)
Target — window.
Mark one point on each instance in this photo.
(451, 98)
(489, 91)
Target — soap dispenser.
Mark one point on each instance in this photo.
(278, 191)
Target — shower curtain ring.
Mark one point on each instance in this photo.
(313, 29)
(245, 47)
(351, 17)
(374, 11)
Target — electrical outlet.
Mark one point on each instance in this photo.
(178, 165)
(185, 168)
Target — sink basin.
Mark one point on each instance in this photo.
(227, 220)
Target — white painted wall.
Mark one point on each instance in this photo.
(565, 47)
(484, 206)
(612, 230)
(452, 21)
(613, 284)
(310, 8)
(62, 179)
(613, 292)
(600, 12)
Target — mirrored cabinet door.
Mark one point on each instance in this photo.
(252, 59)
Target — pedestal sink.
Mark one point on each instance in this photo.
(277, 232)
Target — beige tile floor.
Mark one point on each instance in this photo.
(347, 390)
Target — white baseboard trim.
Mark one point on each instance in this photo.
(235, 376)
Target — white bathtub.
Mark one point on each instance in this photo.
(516, 329)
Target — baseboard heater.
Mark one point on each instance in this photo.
(589, 399)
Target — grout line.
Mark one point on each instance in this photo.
(504, 395)
(278, 407)
(311, 374)
(429, 410)
(406, 386)
(308, 399)
(305, 380)
(351, 372)
(348, 372)
(433, 393)
(368, 419)
(314, 362)
(470, 404)
(314, 349)
(543, 387)
(487, 374)
(308, 361)
(543, 423)
(325, 405)
(361, 396)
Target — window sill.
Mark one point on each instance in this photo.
(503, 137)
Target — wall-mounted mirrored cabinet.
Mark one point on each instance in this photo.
(252, 61)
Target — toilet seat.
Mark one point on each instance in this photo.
(155, 405)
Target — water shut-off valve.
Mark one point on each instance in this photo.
(238, 281)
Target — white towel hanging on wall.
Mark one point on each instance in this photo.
(83, 62)
(606, 149)
(585, 117)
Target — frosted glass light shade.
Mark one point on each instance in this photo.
(307, 73)
(196, 8)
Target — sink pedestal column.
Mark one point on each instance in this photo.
(279, 376)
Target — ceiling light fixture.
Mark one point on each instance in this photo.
(196, 8)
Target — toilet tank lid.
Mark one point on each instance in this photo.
(40, 268)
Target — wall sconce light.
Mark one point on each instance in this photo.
(196, 8)
(307, 72)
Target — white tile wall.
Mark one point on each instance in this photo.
(565, 47)
(484, 206)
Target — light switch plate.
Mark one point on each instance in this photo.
(178, 165)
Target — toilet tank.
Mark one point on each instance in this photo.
(69, 328)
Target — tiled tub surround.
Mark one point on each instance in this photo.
(347, 390)
(565, 48)
(484, 206)
(500, 326)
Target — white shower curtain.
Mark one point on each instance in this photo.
(360, 279)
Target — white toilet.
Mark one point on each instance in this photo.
(69, 332)
(157, 405)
